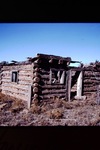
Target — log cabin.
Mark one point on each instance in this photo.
(47, 76)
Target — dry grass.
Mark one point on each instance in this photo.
(16, 106)
(35, 109)
(55, 113)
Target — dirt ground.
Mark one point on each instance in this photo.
(55, 112)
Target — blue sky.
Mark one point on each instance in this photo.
(80, 41)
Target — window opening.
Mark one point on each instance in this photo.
(57, 76)
(14, 77)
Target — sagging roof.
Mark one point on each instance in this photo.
(47, 57)
(50, 58)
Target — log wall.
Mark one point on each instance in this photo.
(21, 88)
(38, 76)
(90, 82)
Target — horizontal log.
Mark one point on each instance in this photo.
(44, 72)
(16, 68)
(15, 85)
(85, 69)
(53, 91)
(6, 77)
(48, 57)
(89, 86)
(91, 77)
(6, 72)
(91, 81)
(25, 82)
(45, 76)
(89, 93)
(29, 70)
(45, 80)
(86, 73)
(24, 78)
(17, 91)
(25, 71)
(20, 75)
(19, 66)
(49, 96)
(53, 87)
(89, 89)
(6, 80)
(27, 74)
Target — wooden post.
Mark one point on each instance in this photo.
(79, 84)
(50, 76)
(58, 74)
(68, 85)
(62, 77)
(29, 97)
